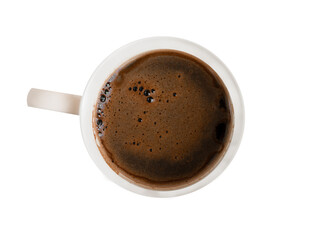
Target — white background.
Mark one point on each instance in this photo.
(49, 186)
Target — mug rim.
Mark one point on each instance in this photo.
(124, 54)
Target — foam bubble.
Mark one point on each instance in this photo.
(150, 99)
(147, 92)
(102, 98)
(99, 122)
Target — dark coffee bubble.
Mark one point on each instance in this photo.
(152, 90)
(130, 88)
(149, 99)
(140, 120)
(141, 88)
(174, 94)
(102, 98)
(135, 89)
(99, 122)
(146, 92)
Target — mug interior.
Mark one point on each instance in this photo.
(123, 55)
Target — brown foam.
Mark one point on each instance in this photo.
(166, 120)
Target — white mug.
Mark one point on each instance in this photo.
(84, 106)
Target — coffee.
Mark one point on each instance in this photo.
(163, 120)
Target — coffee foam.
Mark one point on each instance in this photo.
(163, 120)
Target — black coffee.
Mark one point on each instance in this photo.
(163, 120)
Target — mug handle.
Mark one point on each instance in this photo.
(55, 101)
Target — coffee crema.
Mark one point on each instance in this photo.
(163, 120)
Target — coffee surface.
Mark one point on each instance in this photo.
(163, 120)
